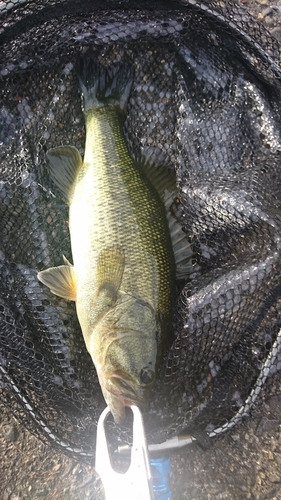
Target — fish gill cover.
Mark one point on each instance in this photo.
(206, 102)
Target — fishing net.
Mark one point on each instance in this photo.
(205, 100)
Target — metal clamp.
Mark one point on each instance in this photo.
(136, 482)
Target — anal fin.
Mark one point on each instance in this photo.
(64, 163)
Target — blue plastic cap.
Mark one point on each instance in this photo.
(160, 469)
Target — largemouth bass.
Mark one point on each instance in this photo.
(123, 275)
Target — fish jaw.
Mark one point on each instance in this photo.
(117, 407)
(119, 392)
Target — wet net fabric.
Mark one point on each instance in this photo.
(205, 101)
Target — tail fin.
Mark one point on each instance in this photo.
(102, 86)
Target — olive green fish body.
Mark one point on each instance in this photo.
(114, 204)
(124, 269)
(120, 210)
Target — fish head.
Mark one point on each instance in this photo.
(128, 372)
(127, 355)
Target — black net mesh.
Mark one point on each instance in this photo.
(205, 98)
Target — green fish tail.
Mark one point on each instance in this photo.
(102, 86)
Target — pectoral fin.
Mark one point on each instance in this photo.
(61, 281)
(111, 264)
(64, 163)
(110, 269)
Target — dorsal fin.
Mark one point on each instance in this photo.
(181, 247)
(164, 181)
(161, 177)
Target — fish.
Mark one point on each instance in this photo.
(124, 266)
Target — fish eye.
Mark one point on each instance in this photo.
(147, 375)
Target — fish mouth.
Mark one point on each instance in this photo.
(119, 392)
(125, 390)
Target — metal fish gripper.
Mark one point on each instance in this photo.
(136, 482)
